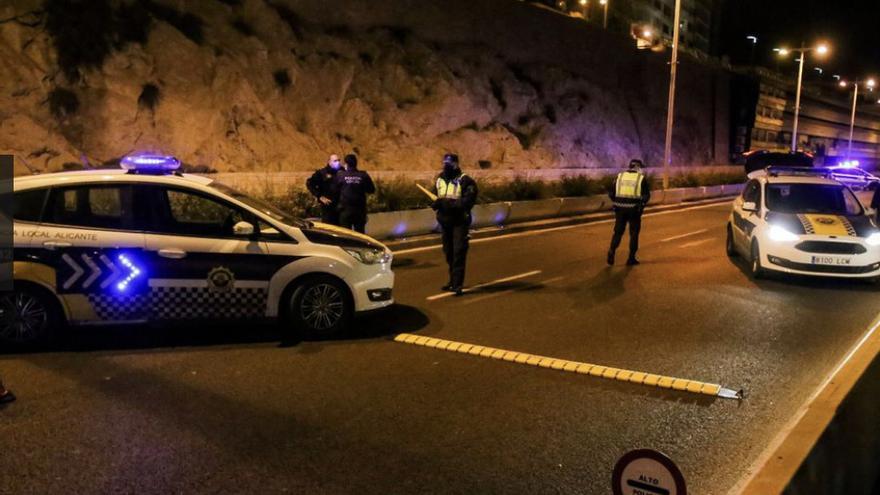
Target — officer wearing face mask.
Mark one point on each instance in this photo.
(456, 196)
(321, 185)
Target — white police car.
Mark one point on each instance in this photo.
(148, 243)
(802, 221)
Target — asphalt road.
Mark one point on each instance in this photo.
(206, 409)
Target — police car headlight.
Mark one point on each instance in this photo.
(778, 234)
(369, 256)
(873, 239)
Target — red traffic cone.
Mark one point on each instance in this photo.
(5, 395)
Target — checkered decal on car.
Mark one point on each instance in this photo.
(181, 303)
(111, 307)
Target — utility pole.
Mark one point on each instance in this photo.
(670, 112)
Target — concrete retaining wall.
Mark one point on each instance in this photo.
(400, 224)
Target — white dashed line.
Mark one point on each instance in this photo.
(696, 243)
(486, 284)
(682, 236)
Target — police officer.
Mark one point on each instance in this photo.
(321, 185)
(456, 196)
(629, 195)
(353, 186)
(6, 396)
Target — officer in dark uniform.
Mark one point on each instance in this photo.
(353, 186)
(6, 396)
(629, 194)
(321, 185)
(456, 196)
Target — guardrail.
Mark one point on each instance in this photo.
(408, 223)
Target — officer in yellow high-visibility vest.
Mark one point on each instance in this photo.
(629, 195)
(456, 196)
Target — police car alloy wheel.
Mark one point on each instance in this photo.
(26, 317)
(320, 307)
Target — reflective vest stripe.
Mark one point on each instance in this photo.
(449, 190)
(629, 185)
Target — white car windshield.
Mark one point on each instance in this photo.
(812, 198)
(264, 207)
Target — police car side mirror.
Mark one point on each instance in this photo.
(750, 206)
(244, 229)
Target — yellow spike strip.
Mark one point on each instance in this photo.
(607, 372)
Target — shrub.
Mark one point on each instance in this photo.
(190, 25)
(579, 185)
(82, 32)
(397, 194)
(149, 97)
(282, 79)
(133, 24)
(63, 102)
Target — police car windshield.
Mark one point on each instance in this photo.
(812, 198)
(260, 205)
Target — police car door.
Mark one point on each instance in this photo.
(92, 238)
(744, 221)
(204, 262)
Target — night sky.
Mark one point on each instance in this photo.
(851, 27)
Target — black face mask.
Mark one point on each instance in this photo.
(450, 168)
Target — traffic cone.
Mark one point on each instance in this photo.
(5, 395)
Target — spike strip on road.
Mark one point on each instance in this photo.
(595, 370)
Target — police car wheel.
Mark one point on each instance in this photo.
(321, 307)
(729, 246)
(27, 317)
(757, 270)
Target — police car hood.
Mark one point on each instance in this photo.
(823, 224)
(323, 233)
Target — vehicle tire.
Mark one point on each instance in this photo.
(757, 270)
(28, 317)
(320, 307)
(730, 247)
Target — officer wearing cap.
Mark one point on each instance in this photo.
(629, 195)
(353, 186)
(321, 185)
(456, 196)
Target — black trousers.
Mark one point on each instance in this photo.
(455, 247)
(622, 217)
(330, 214)
(354, 219)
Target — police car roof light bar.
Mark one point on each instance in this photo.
(776, 171)
(149, 164)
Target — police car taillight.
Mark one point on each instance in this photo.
(150, 164)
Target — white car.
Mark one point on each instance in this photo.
(803, 222)
(148, 243)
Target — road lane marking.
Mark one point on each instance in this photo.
(682, 236)
(769, 468)
(508, 291)
(564, 227)
(596, 370)
(696, 243)
(485, 284)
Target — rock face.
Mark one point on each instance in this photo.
(277, 85)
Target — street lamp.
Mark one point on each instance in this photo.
(870, 83)
(604, 4)
(820, 49)
(670, 108)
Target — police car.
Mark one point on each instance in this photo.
(802, 221)
(146, 243)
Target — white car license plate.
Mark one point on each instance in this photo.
(830, 260)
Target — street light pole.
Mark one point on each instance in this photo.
(797, 100)
(604, 14)
(852, 119)
(670, 109)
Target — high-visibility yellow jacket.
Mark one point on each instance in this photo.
(631, 189)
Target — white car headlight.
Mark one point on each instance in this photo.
(873, 239)
(779, 234)
(369, 256)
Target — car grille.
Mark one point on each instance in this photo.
(808, 267)
(831, 247)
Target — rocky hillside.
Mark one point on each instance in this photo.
(276, 85)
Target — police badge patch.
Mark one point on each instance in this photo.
(220, 279)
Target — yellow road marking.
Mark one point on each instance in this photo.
(622, 375)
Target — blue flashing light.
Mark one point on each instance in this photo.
(134, 272)
(147, 163)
